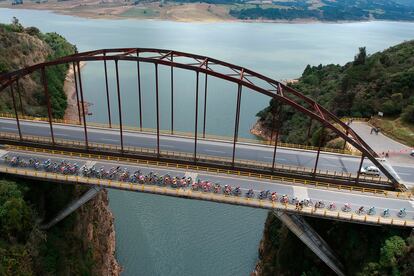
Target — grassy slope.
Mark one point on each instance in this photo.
(396, 129)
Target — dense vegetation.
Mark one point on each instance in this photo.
(381, 82)
(21, 47)
(363, 250)
(24, 248)
(326, 10)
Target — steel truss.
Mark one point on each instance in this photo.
(242, 77)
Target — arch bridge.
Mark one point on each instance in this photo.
(195, 149)
(232, 160)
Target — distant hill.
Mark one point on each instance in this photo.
(327, 10)
(224, 10)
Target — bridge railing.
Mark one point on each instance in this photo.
(263, 177)
(184, 134)
(201, 157)
(228, 199)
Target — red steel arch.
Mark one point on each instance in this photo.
(222, 70)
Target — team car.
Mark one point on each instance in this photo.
(370, 170)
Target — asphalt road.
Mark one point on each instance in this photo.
(284, 156)
(399, 154)
(355, 199)
(378, 142)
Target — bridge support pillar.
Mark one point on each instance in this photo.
(308, 236)
(73, 206)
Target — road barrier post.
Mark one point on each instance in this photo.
(107, 91)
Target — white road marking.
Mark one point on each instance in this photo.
(167, 146)
(9, 128)
(3, 153)
(90, 164)
(215, 151)
(193, 175)
(400, 173)
(300, 192)
(280, 159)
(109, 139)
(391, 170)
(330, 165)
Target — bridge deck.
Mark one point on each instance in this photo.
(330, 164)
(393, 201)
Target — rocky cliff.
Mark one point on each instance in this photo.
(84, 243)
(95, 225)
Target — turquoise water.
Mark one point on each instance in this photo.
(167, 236)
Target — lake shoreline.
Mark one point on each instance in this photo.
(97, 210)
(101, 16)
(145, 223)
(71, 112)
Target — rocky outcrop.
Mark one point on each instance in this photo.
(95, 227)
(94, 223)
(18, 50)
(71, 112)
(262, 132)
(268, 247)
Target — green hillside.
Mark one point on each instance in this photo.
(24, 248)
(382, 82)
(327, 10)
(21, 47)
(363, 250)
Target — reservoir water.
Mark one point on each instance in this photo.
(168, 236)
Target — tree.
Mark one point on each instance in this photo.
(389, 263)
(33, 31)
(16, 25)
(15, 214)
(3, 67)
(361, 57)
(408, 114)
(391, 251)
(388, 108)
